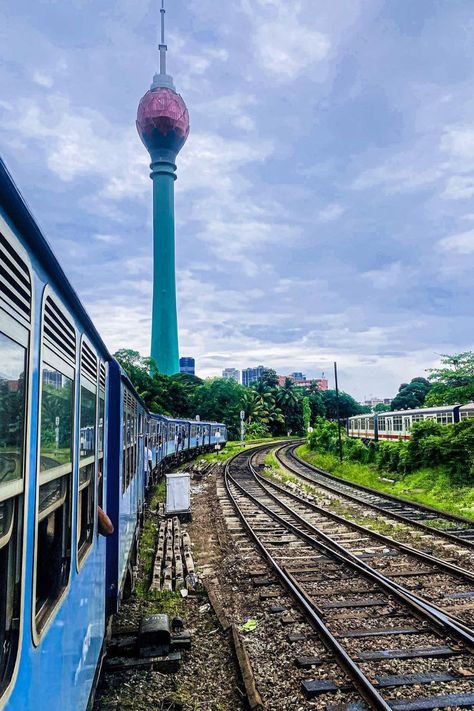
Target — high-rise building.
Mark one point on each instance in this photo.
(187, 365)
(163, 126)
(231, 374)
(250, 375)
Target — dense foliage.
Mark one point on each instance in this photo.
(453, 382)
(411, 395)
(270, 409)
(432, 445)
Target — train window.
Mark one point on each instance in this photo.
(444, 418)
(101, 438)
(86, 485)
(371, 423)
(407, 423)
(467, 414)
(53, 526)
(397, 423)
(417, 418)
(12, 422)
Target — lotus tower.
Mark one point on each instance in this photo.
(163, 126)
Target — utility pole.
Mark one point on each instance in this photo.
(337, 413)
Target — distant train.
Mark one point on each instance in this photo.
(74, 436)
(398, 424)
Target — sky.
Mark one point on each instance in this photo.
(325, 195)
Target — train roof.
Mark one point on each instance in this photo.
(20, 215)
(416, 411)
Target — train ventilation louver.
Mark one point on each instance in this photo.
(59, 333)
(102, 376)
(15, 284)
(88, 363)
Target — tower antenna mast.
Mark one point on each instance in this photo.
(162, 46)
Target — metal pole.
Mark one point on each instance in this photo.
(337, 413)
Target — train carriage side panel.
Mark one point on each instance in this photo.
(58, 650)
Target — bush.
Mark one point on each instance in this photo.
(431, 445)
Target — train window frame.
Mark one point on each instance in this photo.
(397, 423)
(101, 396)
(21, 331)
(444, 418)
(41, 621)
(84, 549)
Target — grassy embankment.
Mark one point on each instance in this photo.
(432, 486)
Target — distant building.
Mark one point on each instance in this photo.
(53, 378)
(251, 375)
(231, 374)
(303, 382)
(187, 365)
(372, 402)
(297, 376)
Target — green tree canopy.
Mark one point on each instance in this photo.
(411, 395)
(453, 382)
(347, 405)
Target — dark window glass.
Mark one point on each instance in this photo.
(56, 419)
(12, 422)
(88, 401)
(101, 423)
(54, 535)
(12, 408)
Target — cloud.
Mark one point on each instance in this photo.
(284, 44)
(331, 212)
(462, 243)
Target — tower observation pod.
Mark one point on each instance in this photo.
(163, 126)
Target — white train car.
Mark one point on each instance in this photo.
(398, 424)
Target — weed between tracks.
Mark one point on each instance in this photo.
(166, 602)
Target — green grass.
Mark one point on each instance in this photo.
(425, 486)
(232, 448)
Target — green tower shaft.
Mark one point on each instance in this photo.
(164, 333)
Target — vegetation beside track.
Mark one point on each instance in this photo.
(431, 486)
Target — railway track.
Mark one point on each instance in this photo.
(396, 650)
(442, 583)
(456, 529)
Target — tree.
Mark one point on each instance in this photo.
(412, 395)
(220, 399)
(269, 378)
(316, 404)
(381, 407)
(306, 413)
(453, 382)
(288, 398)
(347, 405)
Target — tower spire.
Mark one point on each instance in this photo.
(162, 79)
(162, 46)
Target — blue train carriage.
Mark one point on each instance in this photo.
(398, 424)
(53, 474)
(128, 419)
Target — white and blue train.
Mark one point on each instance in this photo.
(74, 436)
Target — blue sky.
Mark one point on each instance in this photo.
(325, 196)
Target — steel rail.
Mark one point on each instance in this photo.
(428, 610)
(442, 618)
(361, 682)
(434, 560)
(440, 533)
